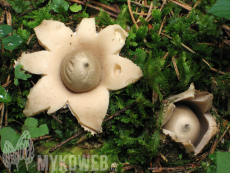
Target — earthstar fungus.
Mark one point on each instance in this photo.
(77, 70)
(186, 118)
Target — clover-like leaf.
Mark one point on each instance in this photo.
(20, 74)
(4, 96)
(11, 42)
(221, 9)
(222, 159)
(75, 8)
(31, 125)
(5, 30)
(8, 134)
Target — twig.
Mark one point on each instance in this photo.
(131, 14)
(140, 5)
(2, 114)
(79, 133)
(6, 84)
(193, 8)
(23, 15)
(164, 1)
(6, 116)
(140, 14)
(149, 12)
(106, 7)
(7, 169)
(117, 113)
(56, 119)
(64, 142)
(213, 69)
(185, 6)
(175, 67)
(30, 38)
(41, 138)
(202, 158)
(165, 56)
(162, 24)
(215, 144)
(91, 6)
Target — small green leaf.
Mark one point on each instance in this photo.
(221, 9)
(31, 125)
(75, 8)
(222, 159)
(4, 96)
(16, 81)
(8, 134)
(212, 157)
(11, 42)
(20, 74)
(5, 30)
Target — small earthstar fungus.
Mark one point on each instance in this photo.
(78, 70)
(186, 118)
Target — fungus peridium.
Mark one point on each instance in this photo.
(85, 89)
(187, 119)
(81, 72)
(184, 123)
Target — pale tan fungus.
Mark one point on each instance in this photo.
(184, 123)
(187, 119)
(81, 72)
(77, 70)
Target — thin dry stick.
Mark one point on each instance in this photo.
(175, 67)
(213, 69)
(79, 133)
(162, 24)
(193, 8)
(91, 6)
(117, 113)
(109, 8)
(185, 6)
(6, 84)
(220, 138)
(140, 14)
(41, 138)
(7, 169)
(56, 119)
(164, 1)
(149, 12)
(165, 56)
(30, 38)
(203, 157)
(6, 116)
(140, 5)
(64, 142)
(131, 14)
(2, 114)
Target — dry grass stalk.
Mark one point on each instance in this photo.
(193, 7)
(140, 5)
(149, 12)
(162, 24)
(185, 6)
(175, 67)
(164, 1)
(131, 14)
(165, 56)
(2, 114)
(94, 7)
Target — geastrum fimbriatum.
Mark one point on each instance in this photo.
(186, 118)
(78, 68)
